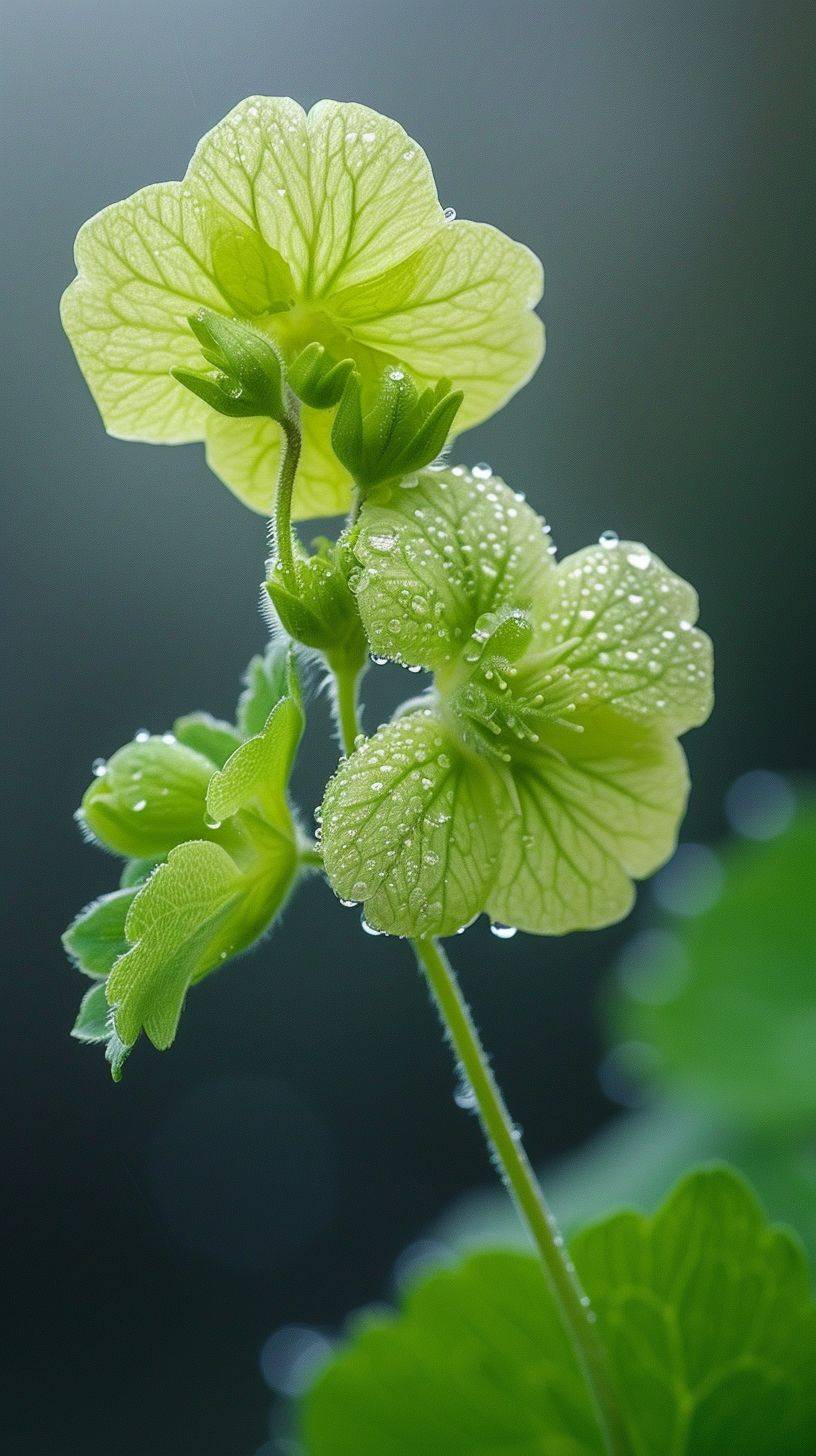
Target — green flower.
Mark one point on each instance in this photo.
(213, 852)
(542, 774)
(323, 228)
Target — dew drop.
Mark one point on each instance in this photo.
(213, 823)
(139, 806)
(482, 471)
(369, 929)
(141, 735)
(348, 904)
(639, 559)
(608, 539)
(450, 214)
(377, 659)
(465, 1097)
(502, 932)
(99, 768)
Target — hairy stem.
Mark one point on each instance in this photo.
(505, 1145)
(514, 1166)
(282, 525)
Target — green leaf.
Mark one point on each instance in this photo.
(596, 810)
(736, 1026)
(265, 683)
(93, 1021)
(629, 623)
(253, 278)
(459, 308)
(180, 922)
(410, 829)
(212, 738)
(706, 1313)
(437, 557)
(256, 775)
(151, 796)
(97, 937)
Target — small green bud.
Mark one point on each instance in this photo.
(399, 432)
(247, 374)
(149, 797)
(316, 379)
(319, 609)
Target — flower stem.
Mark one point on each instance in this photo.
(502, 1138)
(282, 526)
(514, 1166)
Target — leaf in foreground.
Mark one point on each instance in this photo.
(705, 1309)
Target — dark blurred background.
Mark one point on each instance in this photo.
(657, 154)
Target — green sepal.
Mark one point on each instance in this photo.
(248, 371)
(316, 379)
(391, 430)
(319, 609)
(136, 871)
(255, 777)
(151, 796)
(96, 938)
(265, 682)
(209, 736)
(93, 1023)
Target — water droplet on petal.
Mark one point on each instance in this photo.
(608, 539)
(139, 806)
(450, 214)
(369, 929)
(99, 768)
(502, 932)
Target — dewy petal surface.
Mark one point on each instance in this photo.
(630, 623)
(438, 556)
(410, 829)
(596, 808)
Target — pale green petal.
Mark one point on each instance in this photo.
(245, 454)
(459, 308)
(143, 267)
(436, 557)
(341, 194)
(176, 926)
(410, 829)
(598, 808)
(630, 625)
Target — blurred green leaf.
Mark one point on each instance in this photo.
(729, 1000)
(705, 1310)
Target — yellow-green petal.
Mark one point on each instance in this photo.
(341, 194)
(630, 625)
(143, 266)
(410, 829)
(596, 809)
(459, 308)
(245, 455)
